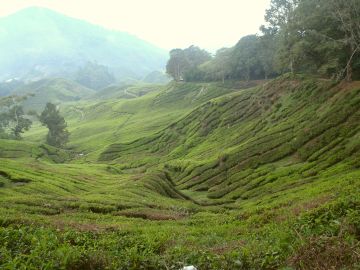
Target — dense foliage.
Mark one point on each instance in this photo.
(304, 36)
(13, 119)
(51, 118)
(183, 63)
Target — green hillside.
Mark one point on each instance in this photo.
(265, 129)
(240, 175)
(55, 90)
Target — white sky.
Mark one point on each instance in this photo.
(210, 24)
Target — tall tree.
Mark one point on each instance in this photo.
(245, 59)
(176, 64)
(347, 14)
(222, 60)
(325, 36)
(20, 122)
(281, 18)
(266, 53)
(183, 64)
(280, 13)
(51, 118)
(13, 120)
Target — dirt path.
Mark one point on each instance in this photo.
(202, 91)
(130, 94)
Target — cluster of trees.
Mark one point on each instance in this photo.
(58, 135)
(184, 64)
(303, 36)
(14, 121)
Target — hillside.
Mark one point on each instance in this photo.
(286, 129)
(55, 90)
(241, 175)
(54, 45)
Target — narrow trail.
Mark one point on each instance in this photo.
(202, 91)
(81, 112)
(123, 124)
(126, 92)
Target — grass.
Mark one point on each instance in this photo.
(260, 175)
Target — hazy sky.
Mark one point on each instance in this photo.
(210, 24)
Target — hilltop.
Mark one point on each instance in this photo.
(54, 45)
(240, 175)
(55, 90)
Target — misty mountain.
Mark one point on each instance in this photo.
(38, 42)
(55, 90)
(157, 77)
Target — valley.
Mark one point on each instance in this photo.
(119, 154)
(181, 175)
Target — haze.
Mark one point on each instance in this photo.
(165, 23)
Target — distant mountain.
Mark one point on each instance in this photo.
(157, 77)
(7, 87)
(94, 76)
(37, 43)
(52, 90)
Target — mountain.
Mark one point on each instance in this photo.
(38, 42)
(55, 90)
(8, 86)
(156, 77)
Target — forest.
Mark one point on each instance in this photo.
(318, 37)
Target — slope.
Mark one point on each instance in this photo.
(220, 176)
(56, 90)
(287, 132)
(131, 112)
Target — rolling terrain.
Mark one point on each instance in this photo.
(55, 90)
(240, 175)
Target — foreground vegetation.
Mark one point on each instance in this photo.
(258, 175)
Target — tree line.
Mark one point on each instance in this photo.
(320, 37)
(14, 121)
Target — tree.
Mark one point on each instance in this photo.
(219, 68)
(280, 18)
(183, 64)
(280, 14)
(20, 122)
(196, 56)
(322, 36)
(176, 64)
(347, 14)
(319, 37)
(246, 60)
(51, 118)
(13, 120)
(315, 46)
(266, 54)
